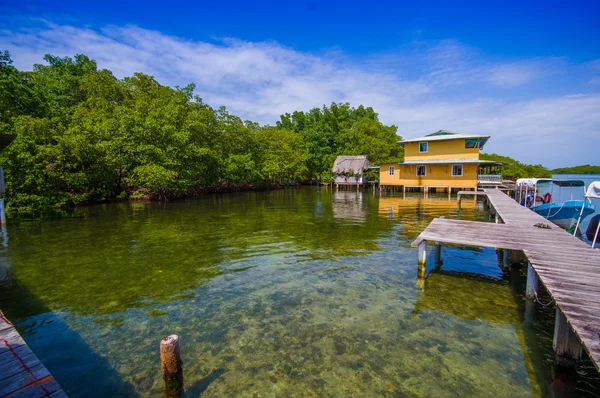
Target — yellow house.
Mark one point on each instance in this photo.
(442, 160)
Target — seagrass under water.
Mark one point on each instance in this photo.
(303, 292)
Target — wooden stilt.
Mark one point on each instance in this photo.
(529, 312)
(438, 254)
(422, 250)
(532, 282)
(172, 366)
(506, 256)
(567, 346)
(421, 271)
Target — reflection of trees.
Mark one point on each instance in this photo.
(117, 256)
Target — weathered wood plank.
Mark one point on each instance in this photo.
(18, 365)
(21, 372)
(46, 387)
(23, 379)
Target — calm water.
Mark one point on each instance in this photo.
(303, 292)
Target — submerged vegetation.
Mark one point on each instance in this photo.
(84, 136)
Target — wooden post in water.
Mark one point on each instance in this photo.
(421, 276)
(567, 346)
(532, 282)
(422, 248)
(172, 366)
(529, 312)
(438, 254)
(506, 257)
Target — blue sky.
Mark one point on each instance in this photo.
(526, 73)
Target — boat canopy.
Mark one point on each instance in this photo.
(531, 182)
(593, 190)
(569, 183)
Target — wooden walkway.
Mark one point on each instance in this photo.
(21, 372)
(568, 267)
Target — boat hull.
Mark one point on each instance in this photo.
(565, 214)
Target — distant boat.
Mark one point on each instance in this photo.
(537, 196)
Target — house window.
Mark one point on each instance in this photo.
(392, 170)
(421, 171)
(457, 170)
(423, 147)
(472, 143)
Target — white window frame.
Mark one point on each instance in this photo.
(391, 170)
(426, 145)
(417, 170)
(462, 170)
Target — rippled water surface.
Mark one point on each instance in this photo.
(298, 292)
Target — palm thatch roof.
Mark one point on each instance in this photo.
(350, 164)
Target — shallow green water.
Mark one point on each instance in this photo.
(303, 292)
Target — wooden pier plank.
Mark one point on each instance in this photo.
(566, 266)
(22, 374)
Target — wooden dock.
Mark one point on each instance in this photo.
(21, 372)
(567, 266)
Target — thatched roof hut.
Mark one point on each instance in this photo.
(350, 165)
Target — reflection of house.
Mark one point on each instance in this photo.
(350, 170)
(416, 211)
(348, 205)
(441, 160)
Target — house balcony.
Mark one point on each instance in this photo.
(492, 179)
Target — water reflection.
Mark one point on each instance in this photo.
(273, 293)
(349, 205)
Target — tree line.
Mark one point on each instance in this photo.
(514, 169)
(83, 136)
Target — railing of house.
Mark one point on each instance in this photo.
(342, 179)
(489, 178)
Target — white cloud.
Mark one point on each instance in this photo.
(443, 86)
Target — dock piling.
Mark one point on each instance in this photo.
(567, 346)
(438, 254)
(506, 259)
(532, 282)
(172, 366)
(422, 249)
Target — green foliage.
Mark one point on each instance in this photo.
(584, 169)
(342, 130)
(514, 169)
(84, 136)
